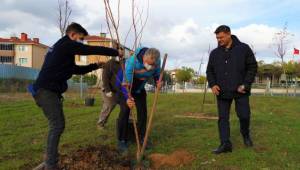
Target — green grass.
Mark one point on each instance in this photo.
(275, 131)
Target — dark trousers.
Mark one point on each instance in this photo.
(52, 106)
(242, 109)
(122, 122)
(141, 107)
(140, 100)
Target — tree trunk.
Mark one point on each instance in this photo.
(284, 73)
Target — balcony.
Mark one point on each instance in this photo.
(7, 50)
(6, 59)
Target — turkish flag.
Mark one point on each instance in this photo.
(296, 51)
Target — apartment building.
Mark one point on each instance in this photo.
(22, 51)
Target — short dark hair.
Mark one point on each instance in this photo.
(223, 28)
(77, 28)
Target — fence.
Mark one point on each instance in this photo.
(16, 79)
(266, 89)
(17, 72)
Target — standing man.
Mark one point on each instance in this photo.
(230, 72)
(58, 67)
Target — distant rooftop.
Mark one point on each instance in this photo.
(101, 37)
(23, 39)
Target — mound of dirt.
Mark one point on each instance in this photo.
(176, 159)
(94, 157)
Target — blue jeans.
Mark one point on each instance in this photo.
(52, 106)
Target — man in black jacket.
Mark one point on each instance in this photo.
(230, 72)
(58, 67)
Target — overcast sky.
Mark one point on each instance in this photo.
(181, 28)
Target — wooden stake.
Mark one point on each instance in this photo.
(204, 97)
(148, 130)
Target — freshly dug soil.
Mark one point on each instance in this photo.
(95, 158)
(178, 158)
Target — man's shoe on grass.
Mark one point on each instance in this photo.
(52, 168)
(247, 141)
(100, 126)
(123, 146)
(223, 148)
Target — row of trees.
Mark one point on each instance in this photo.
(272, 71)
(186, 74)
(275, 70)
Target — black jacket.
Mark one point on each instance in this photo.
(230, 68)
(59, 64)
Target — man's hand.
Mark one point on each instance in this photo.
(241, 89)
(121, 52)
(130, 102)
(126, 85)
(216, 90)
(100, 64)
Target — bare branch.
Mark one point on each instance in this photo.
(134, 25)
(281, 40)
(64, 13)
(118, 23)
(112, 20)
(140, 35)
(130, 29)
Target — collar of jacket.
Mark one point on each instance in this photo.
(66, 37)
(139, 53)
(235, 42)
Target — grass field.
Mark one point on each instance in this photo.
(275, 131)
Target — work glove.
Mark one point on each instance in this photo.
(109, 94)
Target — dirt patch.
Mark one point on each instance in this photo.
(95, 157)
(7, 97)
(178, 158)
(74, 105)
(202, 116)
(260, 149)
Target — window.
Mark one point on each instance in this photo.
(23, 61)
(6, 46)
(6, 59)
(22, 48)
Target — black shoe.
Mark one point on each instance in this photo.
(223, 148)
(122, 146)
(100, 125)
(247, 141)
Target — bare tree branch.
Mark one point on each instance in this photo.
(140, 35)
(281, 40)
(134, 25)
(64, 13)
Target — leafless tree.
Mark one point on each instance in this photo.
(280, 43)
(205, 84)
(64, 13)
